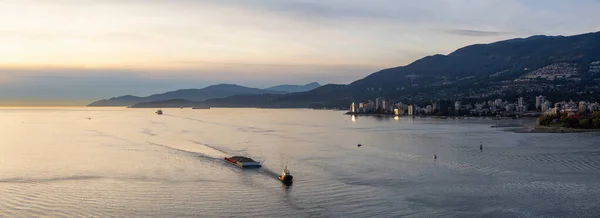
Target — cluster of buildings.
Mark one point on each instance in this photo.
(379, 105)
(572, 108)
(485, 108)
(552, 72)
(594, 68)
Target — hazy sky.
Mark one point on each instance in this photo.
(89, 49)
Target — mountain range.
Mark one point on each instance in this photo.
(209, 92)
(557, 66)
(295, 88)
(482, 71)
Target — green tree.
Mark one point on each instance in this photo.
(596, 123)
(571, 122)
(585, 124)
(596, 115)
(563, 119)
(546, 120)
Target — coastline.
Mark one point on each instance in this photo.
(372, 115)
(549, 129)
(516, 128)
(441, 117)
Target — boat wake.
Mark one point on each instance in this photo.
(225, 153)
(213, 154)
(189, 153)
(269, 173)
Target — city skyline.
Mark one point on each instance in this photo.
(498, 107)
(76, 51)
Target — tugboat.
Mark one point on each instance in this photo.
(286, 177)
(243, 162)
(159, 112)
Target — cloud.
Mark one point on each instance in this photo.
(467, 32)
(114, 47)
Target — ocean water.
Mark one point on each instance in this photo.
(115, 162)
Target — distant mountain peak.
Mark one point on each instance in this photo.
(295, 88)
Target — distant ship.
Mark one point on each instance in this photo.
(159, 112)
(206, 107)
(243, 162)
(286, 177)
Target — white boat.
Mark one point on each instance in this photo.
(286, 177)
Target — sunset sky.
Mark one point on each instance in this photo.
(81, 50)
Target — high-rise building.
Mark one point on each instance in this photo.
(457, 105)
(428, 109)
(379, 103)
(521, 103)
(546, 106)
(435, 107)
(399, 105)
(539, 101)
(370, 106)
(410, 110)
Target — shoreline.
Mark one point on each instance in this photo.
(442, 117)
(549, 129)
(516, 128)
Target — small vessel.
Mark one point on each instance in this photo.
(243, 162)
(159, 112)
(286, 177)
(196, 108)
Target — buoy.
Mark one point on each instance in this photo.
(359, 145)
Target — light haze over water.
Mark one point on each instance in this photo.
(105, 162)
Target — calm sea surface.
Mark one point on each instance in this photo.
(134, 163)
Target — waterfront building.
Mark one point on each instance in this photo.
(539, 101)
(546, 106)
(520, 102)
(379, 103)
(510, 107)
(498, 103)
(457, 105)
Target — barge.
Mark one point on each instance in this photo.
(243, 162)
